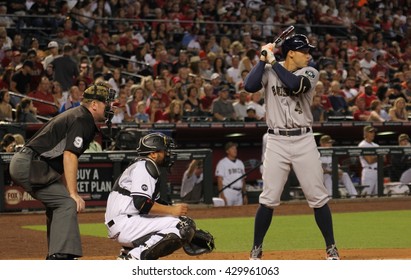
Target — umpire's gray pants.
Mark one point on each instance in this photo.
(63, 234)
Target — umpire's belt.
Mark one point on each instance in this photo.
(289, 132)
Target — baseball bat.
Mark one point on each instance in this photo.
(241, 177)
(281, 37)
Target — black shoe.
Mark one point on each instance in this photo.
(59, 256)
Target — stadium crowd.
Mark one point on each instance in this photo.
(185, 60)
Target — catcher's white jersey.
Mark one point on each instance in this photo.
(283, 108)
(138, 181)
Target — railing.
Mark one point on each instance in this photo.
(380, 152)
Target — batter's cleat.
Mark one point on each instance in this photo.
(332, 253)
(256, 253)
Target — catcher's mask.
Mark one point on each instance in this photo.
(155, 142)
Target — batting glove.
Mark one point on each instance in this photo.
(267, 53)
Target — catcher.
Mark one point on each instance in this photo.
(145, 226)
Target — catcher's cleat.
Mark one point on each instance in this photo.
(123, 255)
(332, 253)
(256, 253)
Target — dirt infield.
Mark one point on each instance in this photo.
(17, 243)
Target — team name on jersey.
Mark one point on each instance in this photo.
(280, 91)
(232, 171)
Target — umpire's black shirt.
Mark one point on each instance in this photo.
(72, 130)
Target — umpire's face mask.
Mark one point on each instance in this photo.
(109, 112)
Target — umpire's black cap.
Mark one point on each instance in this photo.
(294, 43)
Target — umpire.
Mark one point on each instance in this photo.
(46, 167)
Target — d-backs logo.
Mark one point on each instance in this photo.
(144, 187)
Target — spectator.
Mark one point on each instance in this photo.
(141, 116)
(369, 165)
(73, 100)
(325, 101)
(368, 95)
(317, 110)
(230, 177)
(398, 112)
(26, 112)
(160, 93)
(207, 99)
(59, 96)
(65, 68)
(380, 69)
(8, 143)
(122, 110)
(137, 95)
(20, 81)
(336, 97)
(395, 92)
(98, 66)
(343, 178)
(37, 71)
(116, 80)
(174, 112)
(251, 114)
(192, 186)
(360, 113)
(6, 110)
(191, 105)
(43, 93)
(367, 63)
(256, 102)
(240, 106)
(350, 90)
(375, 114)
(222, 108)
(233, 72)
(53, 48)
(154, 110)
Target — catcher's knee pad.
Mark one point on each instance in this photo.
(187, 228)
(167, 245)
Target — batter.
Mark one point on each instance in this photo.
(288, 92)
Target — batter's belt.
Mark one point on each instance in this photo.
(289, 132)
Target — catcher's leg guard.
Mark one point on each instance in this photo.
(167, 245)
(187, 228)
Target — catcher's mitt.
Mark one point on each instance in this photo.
(202, 242)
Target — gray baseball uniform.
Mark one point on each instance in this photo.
(288, 112)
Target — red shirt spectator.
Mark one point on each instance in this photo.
(43, 93)
(368, 95)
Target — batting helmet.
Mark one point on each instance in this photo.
(294, 43)
(156, 142)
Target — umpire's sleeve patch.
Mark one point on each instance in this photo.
(310, 74)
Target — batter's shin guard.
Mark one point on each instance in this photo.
(167, 245)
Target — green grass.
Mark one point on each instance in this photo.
(385, 229)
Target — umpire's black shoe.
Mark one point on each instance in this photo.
(59, 256)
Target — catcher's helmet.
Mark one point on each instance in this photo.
(294, 43)
(155, 142)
